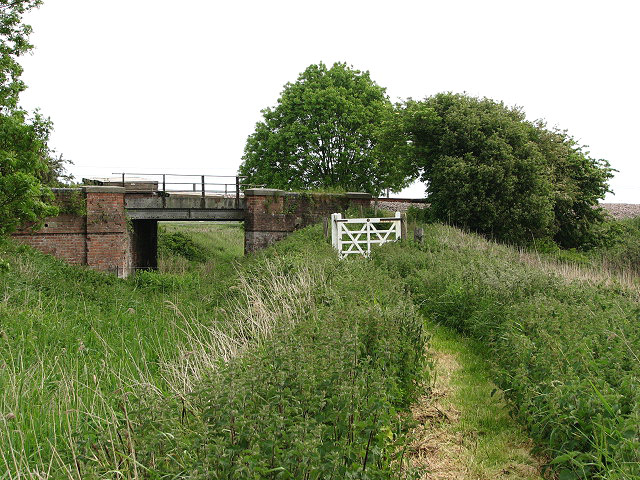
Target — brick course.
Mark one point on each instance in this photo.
(96, 235)
(273, 214)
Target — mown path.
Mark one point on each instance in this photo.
(464, 430)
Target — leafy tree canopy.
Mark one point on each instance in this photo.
(490, 170)
(26, 163)
(325, 132)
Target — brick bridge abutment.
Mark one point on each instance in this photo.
(93, 227)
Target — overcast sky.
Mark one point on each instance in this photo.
(166, 86)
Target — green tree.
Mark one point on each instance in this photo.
(26, 162)
(579, 183)
(325, 132)
(490, 170)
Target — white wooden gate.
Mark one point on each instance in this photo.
(348, 240)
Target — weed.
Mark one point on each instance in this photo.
(565, 350)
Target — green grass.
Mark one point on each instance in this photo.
(109, 378)
(77, 345)
(222, 242)
(493, 444)
(146, 377)
(564, 347)
(317, 398)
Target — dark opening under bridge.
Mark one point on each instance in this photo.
(111, 224)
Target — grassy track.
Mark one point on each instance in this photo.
(564, 348)
(464, 428)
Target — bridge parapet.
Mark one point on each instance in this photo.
(184, 206)
(273, 214)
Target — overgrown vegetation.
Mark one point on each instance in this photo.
(565, 350)
(292, 364)
(27, 165)
(199, 247)
(182, 245)
(286, 363)
(490, 170)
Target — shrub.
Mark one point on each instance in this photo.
(181, 244)
(491, 171)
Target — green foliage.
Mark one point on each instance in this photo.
(621, 250)
(324, 133)
(23, 159)
(319, 397)
(491, 171)
(565, 353)
(72, 202)
(106, 369)
(579, 183)
(77, 346)
(14, 42)
(181, 244)
(617, 250)
(420, 215)
(26, 163)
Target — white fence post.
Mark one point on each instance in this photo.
(334, 229)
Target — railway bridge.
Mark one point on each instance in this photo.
(111, 224)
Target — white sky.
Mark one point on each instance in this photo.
(166, 86)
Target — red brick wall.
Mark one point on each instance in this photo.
(272, 214)
(94, 234)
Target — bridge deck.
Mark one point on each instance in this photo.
(183, 206)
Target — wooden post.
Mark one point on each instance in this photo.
(418, 235)
(237, 192)
(325, 227)
(335, 241)
(403, 224)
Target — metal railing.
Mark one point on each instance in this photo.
(186, 183)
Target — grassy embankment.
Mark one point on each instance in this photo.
(287, 363)
(102, 376)
(77, 347)
(564, 339)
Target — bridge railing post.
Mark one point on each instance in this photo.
(237, 191)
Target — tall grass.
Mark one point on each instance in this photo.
(78, 347)
(109, 378)
(317, 397)
(565, 343)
